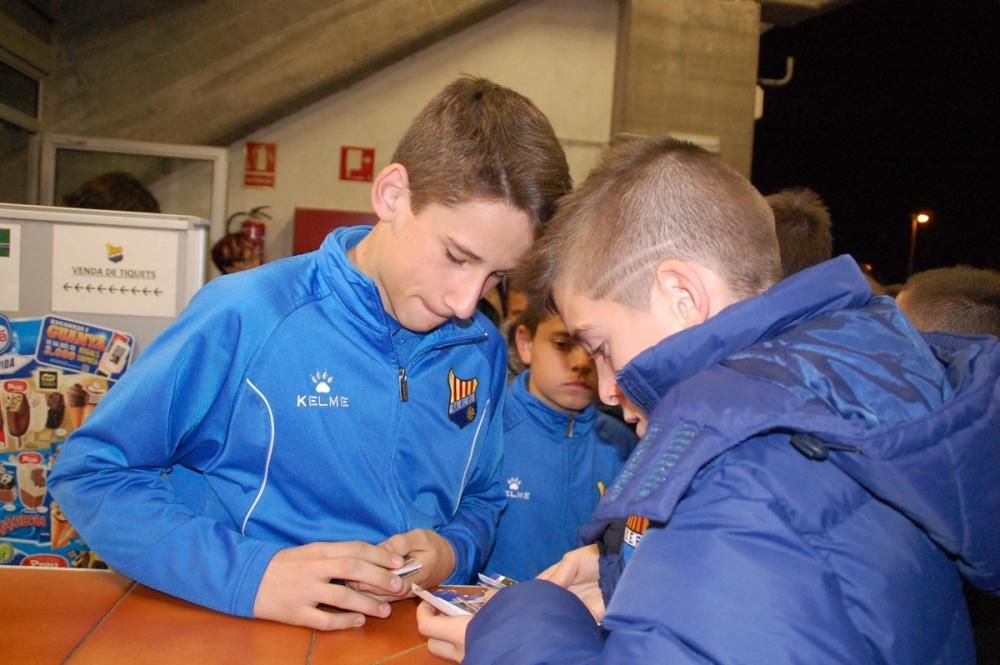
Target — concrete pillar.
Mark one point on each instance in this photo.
(689, 67)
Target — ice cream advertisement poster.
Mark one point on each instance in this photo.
(114, 270)
(53, 375)
(83, 348)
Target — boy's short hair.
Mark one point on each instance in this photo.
(648, 201)
(532, 317)
(477, 140)
(805, 231)
(112, 191)
(961, 299)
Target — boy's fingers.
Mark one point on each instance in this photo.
(425, 618)
(358, 550)
(332, 619)
(340, 597)
(442, 649)
(399, 544)
(357, 572)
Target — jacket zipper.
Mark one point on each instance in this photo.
(569, 428)
(404, 391)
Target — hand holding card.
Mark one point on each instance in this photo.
(410, 566)
(433, 551)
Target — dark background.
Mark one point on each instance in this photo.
(894, 107)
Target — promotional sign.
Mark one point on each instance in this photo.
(114, 270)
(54, 372)
(10, 267)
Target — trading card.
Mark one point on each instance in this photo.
(410, 566)
(497, 581)
(453, 600)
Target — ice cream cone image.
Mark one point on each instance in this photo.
(95, 393)
(62, 531)
(76, 400)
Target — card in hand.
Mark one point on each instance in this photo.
(410, 566)
(497, 581)
(454, 601)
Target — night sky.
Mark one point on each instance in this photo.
(894, 107)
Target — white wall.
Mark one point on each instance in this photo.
(559, 53)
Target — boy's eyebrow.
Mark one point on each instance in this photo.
(465, 250)
(580, 335)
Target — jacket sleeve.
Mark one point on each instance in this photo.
(472, 530)
(727, 581)
(171, 408)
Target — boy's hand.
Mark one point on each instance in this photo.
(446, 635)
(578, 572)
(298, 579)
(426, 546)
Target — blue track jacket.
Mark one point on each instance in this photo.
(288, 407)
(815, 475)
(554, 466)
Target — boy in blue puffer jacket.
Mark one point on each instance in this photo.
(560, 452)
(815, 476)
(335, 410)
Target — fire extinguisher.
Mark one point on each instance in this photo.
(243, 249)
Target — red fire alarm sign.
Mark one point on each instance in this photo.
(357, 163)
(260, 164)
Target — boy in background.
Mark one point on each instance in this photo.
(963, 300)
(814, 476)
(339, 409)
(805, 232)
(960, 299)
(560, 452)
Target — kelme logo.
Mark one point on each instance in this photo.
(514, 490)
(322, 396)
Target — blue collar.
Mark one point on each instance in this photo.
(523, 404)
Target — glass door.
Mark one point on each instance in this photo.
(184, 179)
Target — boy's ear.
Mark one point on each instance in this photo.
(522, 338)
(680, 293)
(391, 191)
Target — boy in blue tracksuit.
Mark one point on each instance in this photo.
(814, 477)
(319, 418)
(560, 452)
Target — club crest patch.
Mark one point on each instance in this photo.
(635, 528)
(462, 407)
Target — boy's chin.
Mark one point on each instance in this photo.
(421, 322)
(573, 405)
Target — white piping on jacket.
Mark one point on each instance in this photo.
(267, 464)
(472, 452)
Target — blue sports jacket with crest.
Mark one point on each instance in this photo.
(278, 405)
(552, 465)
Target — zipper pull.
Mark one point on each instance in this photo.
(404, 391)
(569, 428)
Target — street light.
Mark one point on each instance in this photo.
(916, 219)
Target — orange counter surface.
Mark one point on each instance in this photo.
(83, 616)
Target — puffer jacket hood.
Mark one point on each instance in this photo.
(914, 419)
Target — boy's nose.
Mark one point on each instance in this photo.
(607, 388)
(579, 360)
(463, 299)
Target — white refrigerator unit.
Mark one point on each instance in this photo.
(82, 293)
